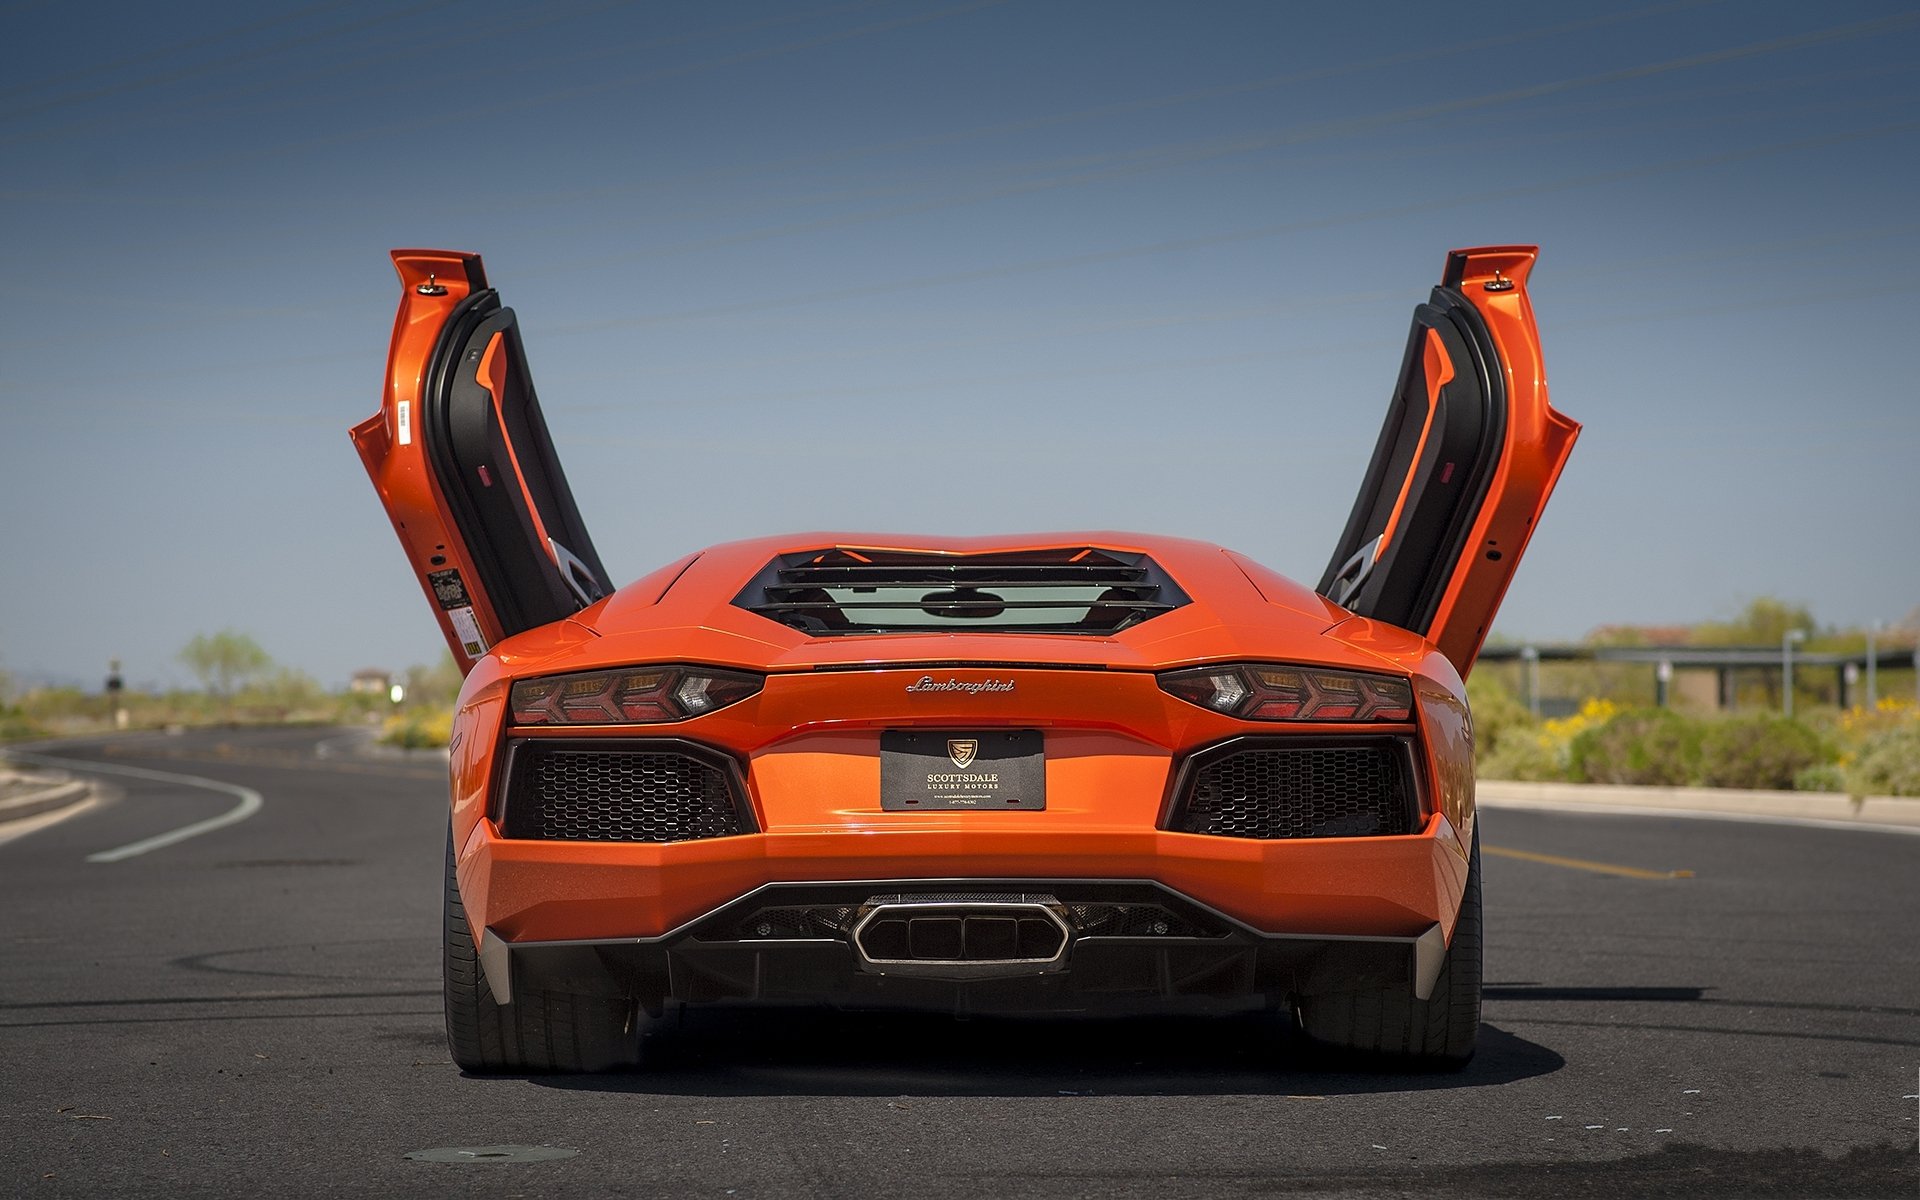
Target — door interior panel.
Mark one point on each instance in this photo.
(1429, 471)
(494, 458)
(1466, 459)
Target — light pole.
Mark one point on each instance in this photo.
(1531, 656)
(116, 693)
(1873, 669)
(1787, 641)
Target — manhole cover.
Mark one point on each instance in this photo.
(490, 1154)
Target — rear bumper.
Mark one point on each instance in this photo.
(574, 891)
(1166, 947)
(1292, 915)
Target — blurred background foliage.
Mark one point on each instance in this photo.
(241, 684)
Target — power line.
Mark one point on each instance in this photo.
(134, 85)
(223, 101)
(121, 64)
(1257, 233)
(1592, 179)
(1128, 107)
(465, 114)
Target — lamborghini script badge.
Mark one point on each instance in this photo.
(961, 751)
(972, 687)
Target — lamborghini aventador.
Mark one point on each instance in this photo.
(1046, 772)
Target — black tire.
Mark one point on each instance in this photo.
(542, 1030)
(1390, 1022)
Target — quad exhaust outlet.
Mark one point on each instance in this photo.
(939, 938)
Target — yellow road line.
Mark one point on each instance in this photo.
(1581, 864)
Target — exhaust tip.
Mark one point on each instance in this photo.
(946, 940)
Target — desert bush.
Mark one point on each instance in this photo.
(1498, 717)
(1648, 746)
(1528, 757)
(1758, 751)
(418, 729)
(1887, 762)
(1541, 752)
(17, 726)
(1820, 777)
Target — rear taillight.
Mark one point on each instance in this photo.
(1266, 692)
(629, 696)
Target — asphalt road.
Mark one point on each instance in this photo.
(255, 1011)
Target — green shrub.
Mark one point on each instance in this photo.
(1758, 751)
(17, 726)
(1821, 777)
(1526, 757)
(1887, 763)
(1542, 752)
(1648, 746)
(418, 729)
(1498, 719)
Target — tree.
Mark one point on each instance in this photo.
(1762, 623)
(225, 661)
(436, 686)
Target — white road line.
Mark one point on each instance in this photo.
(1696, 814)
(250, 803)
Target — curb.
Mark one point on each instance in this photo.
(1824, 808)
(32, 804)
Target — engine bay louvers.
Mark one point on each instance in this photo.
(1077, 590)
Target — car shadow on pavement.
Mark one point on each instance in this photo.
(749, 1052)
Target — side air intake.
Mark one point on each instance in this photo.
(663, 790)
(1256, 788)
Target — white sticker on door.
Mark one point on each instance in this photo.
(468, 628)
(405, 422)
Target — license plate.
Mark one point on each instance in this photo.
(944, 770)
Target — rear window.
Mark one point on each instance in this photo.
(1076, 589)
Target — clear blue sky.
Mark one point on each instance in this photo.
(944, 266)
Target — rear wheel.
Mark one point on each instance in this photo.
(542, 1030)
(1439, 1031)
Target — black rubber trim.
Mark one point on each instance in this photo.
(475, 273)
(1453, 550)
(436, 434)
(1406, 585)
(463, 435)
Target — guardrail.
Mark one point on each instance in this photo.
(1850, 669)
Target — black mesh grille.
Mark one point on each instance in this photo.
(617, 795)
(1135, 920)
(814, 921)
(1346, 791)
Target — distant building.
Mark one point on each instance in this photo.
(371, 680)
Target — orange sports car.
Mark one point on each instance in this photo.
(1029, 773)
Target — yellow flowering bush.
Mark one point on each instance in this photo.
(1882, 755)
(418, 729)
(1544, 751)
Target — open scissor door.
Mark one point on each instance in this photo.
(461, 457)
(1464, 465)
